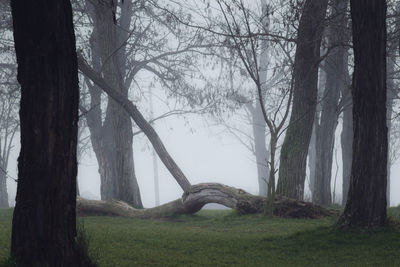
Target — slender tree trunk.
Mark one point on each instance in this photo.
(3, 186)
(259, 124)
(366, 203)
(114, 147)
(312, 149)
(335, 65)
(312, 157)
(294, 150)
(391, 95)
(43, 228)
(346, 136)
(260, 149)
(269, 209)
(141, 122)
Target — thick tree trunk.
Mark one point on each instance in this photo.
(43, 228)
(294, 150)
(114, 151)
(201, 194)
(366, 204)
(335, 65)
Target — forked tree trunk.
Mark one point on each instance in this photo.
(366, 204)
(292, 170)
(112, 140)
(43, 227)
(335, 66)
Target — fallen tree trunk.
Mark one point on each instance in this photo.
(194, 196)
(201, 194)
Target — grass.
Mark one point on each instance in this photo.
(222, 238)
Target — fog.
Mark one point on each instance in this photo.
(204, 153)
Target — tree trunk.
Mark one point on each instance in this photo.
(346, 136)
(114, 149)
(141, 122)
(3, 186)
(260, 149)
(43, 227)
(312, 153)
(366, 204)
(194, 197)
(391, 95)
(335, 64)
(198, 196)
(294, 150)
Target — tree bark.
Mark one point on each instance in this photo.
(294, 150)
(43, 227)
(335, 66)
(134, 113)
(113, 148)
(201, 194)
(366, 204)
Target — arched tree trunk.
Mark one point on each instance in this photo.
(202, 194)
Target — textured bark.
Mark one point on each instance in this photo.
(43, 227)
(201, 194)
(294, 150)
(141, 122)
(366, 204)
(112, 140)
(335, 66)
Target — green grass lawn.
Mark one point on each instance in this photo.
(222, 238)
